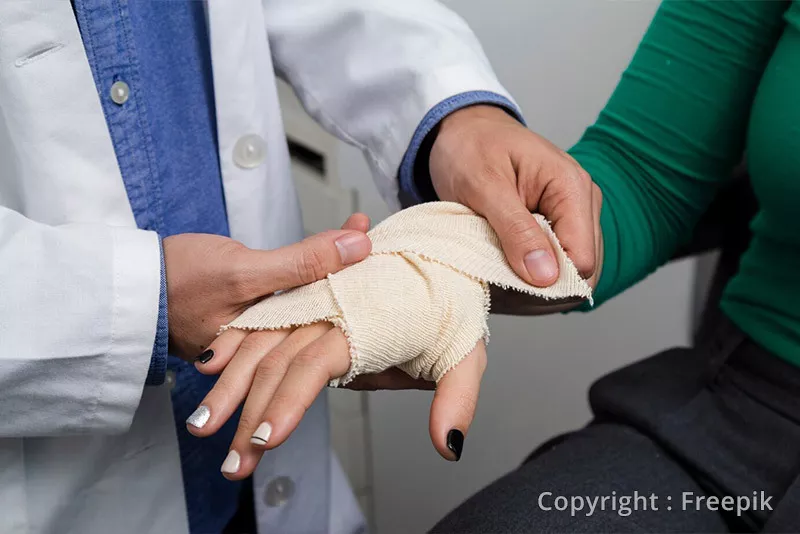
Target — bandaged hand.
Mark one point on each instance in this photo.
(418, 303)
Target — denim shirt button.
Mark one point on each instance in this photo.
(120, 92)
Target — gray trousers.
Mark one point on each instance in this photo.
(703, 439)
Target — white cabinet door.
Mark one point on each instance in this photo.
(324, 202)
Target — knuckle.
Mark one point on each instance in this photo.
(251, 344)
(248, 422)
(232, 249)
(567, 156)
(271, 367)
(490, 173)
(466, 401)
(481, 182)
(311, 265)
(280, 401)
(310, 361)
(287, 404)
(521, 230)
(223, 389)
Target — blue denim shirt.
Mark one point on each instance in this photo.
(164, 136)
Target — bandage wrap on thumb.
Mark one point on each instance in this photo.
(420, 301)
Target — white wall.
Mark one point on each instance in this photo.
(561, 60)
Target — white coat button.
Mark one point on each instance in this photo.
(249, 151)
(169, 379)
(120, 92)
(279, 491)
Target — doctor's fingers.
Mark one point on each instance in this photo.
(286, 383)
(358, 222)
(239, 356)
(228, 342)
(454, 403)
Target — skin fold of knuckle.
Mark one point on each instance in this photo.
(520, 230)
(311, 362)
(224, 390)
(466, 401)
(248, 422)
(281, 403)
(311, 265)
(272, 366)
(253, 343)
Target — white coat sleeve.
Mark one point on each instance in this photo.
(369, 70)
(78, 314)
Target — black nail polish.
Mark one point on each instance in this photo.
(205, 357)
(455, 442)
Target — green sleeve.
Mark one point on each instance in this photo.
(674, 128)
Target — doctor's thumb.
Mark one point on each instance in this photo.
(308, 261)
(454, 404)
(527, 247)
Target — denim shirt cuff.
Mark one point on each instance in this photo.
(414, 175)
(158, 362)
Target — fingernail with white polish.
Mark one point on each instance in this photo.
(261, 435)
(200, 417)
(231, 463)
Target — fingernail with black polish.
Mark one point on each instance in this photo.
(455, 442)
(205, 357)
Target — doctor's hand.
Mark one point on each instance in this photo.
(486, 160)
(212, 279)
(278, 375)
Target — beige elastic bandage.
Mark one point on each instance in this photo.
(420, 301)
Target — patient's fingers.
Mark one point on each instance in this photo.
(567, 199)
(269, 373)
(309, 373)
(234, 382)
(220, 351)
(454, 403)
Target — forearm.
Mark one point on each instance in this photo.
(674, 129)
(370, 70)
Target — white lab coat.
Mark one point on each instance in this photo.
(84, 447)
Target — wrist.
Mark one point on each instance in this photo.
(414, 173)
(475, 112)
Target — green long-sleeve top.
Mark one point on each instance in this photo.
(710, 80)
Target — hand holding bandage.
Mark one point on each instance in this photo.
(418, 303)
